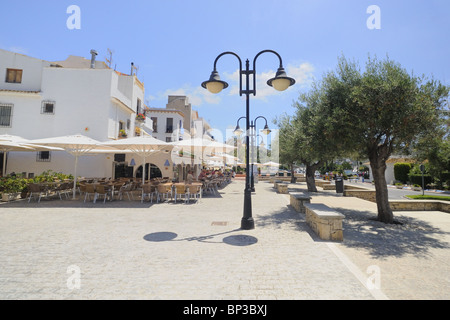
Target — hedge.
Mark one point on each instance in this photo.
(417, 179)
(401, 171)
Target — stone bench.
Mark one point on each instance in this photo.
(282, 188)
(276, 182)
(298, 200)
(320, 183)
(324, 221)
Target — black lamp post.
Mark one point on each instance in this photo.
(266, 131)
(214, 85)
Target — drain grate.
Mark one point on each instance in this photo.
(219, 223)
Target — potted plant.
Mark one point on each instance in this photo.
(12, 187)
(416, 187)
(140, 117)
(399, 185)
(137, 131)
(122, 133)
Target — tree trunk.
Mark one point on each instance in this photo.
(293, 180)
(310, 172)
(384, 210)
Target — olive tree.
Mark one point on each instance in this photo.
(379, 111)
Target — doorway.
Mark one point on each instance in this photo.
(151, 171)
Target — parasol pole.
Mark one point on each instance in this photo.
(4, 164)
(75, 177)
(143, 171)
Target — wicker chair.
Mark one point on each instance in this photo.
(148, 190)
(195, 191)
(103, 190)
(180, 191)
(164, 191)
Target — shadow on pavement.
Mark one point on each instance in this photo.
(234, 240)
(411, 237)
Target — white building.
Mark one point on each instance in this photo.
(178, 121)
(41, 99)
(167, 123)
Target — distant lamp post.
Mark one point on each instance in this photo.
(215, 85)
(253, 133)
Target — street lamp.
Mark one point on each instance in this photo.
(238, 131)
(215, 85)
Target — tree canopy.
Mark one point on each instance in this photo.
(373, 112)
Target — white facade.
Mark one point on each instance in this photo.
(65, 98)
(167, 124)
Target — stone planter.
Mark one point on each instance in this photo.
(6, 197)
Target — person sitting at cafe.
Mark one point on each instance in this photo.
(190, 177)
(202, 175)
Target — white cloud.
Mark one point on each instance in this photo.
(197, 95)
(302, 73)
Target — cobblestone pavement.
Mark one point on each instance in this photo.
(128, 250)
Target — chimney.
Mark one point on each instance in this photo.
(93, 55)
(132, 68)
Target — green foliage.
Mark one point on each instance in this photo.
(401, 171)
(417, 179)
(16, 183)
(13, 184)
(50, 176)
(429, 197)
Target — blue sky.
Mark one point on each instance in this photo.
(174, 43)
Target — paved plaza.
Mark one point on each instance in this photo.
(127, 250)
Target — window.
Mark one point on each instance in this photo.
(43, 156)
(128, 124)
(5, 115)
(48, 107)
(138, 109)
(155, 123)
(14, 75)
(168, 139)
(119, 157)
(169, 125)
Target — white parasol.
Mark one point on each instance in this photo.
(144, 146)
(77, 145)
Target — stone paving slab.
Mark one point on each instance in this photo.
(128, 250)
(412, 258)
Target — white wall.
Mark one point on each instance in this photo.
(82, 98)
(61, 161)
(32, 71)
(162, 123)
(84, 104)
